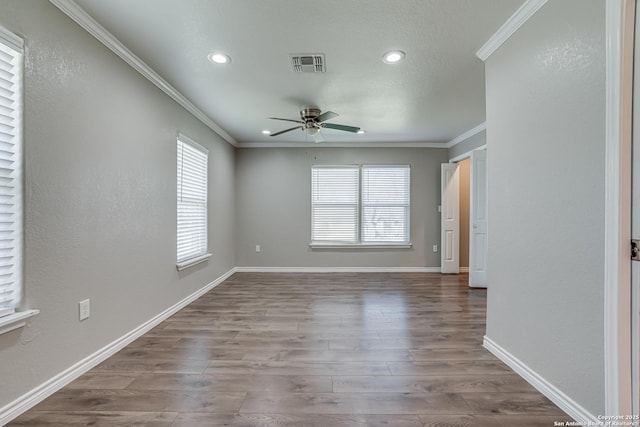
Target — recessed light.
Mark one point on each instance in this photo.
(360, 132)
(393, 57)
(266, 132)
(219, 58)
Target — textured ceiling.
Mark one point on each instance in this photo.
(434, 95)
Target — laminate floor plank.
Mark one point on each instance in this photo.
(426, 341)
(185, 353)
(355, 403)
(309, 350)
(104, 381)
(267, 344)
(279, 367)
(143, 400)
(451, 354)
(489, 421)
(133, 364)
(96, 419)
(438, 384)
(511, 403)
(345, 355)
(292, 420)
(233, 382)
(444, 367)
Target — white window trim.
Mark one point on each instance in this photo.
(365, 245)
(193, 261)
(11, 40)
(10, 317)
(16, 320)
(186, 263)
(406, 245)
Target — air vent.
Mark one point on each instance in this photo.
(308, 63)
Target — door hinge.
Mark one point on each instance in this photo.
(635, 249)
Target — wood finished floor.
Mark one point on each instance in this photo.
(309, 350)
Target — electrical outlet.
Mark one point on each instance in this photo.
(435, 248)
(84, 309)
(257, 248)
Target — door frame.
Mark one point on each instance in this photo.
(619, 33)
(457, 159)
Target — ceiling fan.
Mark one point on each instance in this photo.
(312, 120)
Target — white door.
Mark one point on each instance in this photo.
(478, 231)
(450, 219)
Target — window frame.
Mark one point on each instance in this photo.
(406, 207)
(16, 45)
(359, 242)
(203, 254)
(13, 315)
(355, 205)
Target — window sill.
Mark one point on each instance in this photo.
(407, 245)
(192, 261)
(16, 320)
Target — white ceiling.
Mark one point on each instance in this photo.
(434, 95)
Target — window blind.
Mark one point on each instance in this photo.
(360, 204)
(10, 173)
(385, 203)
(192, 200)
(334, 204)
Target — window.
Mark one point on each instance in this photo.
(334, 193)
(360, 205)
(192, 203)
(385, 204)
(11, 230)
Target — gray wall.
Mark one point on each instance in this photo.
(100, 157)
(468, 144)
(273, 189)
(546, 132)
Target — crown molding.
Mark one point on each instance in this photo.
(466, 155)
(82, 18)
(517, 20)
(342, 145)
(466, 135)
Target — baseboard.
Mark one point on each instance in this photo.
(564, 402)
(338, 269)
(463, 269)
(46, 389)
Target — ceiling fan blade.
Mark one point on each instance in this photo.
(327, 115)
(317, 137)
(285, 131)
(287, 120)
(340, 127)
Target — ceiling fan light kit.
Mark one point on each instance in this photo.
(312, 120)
